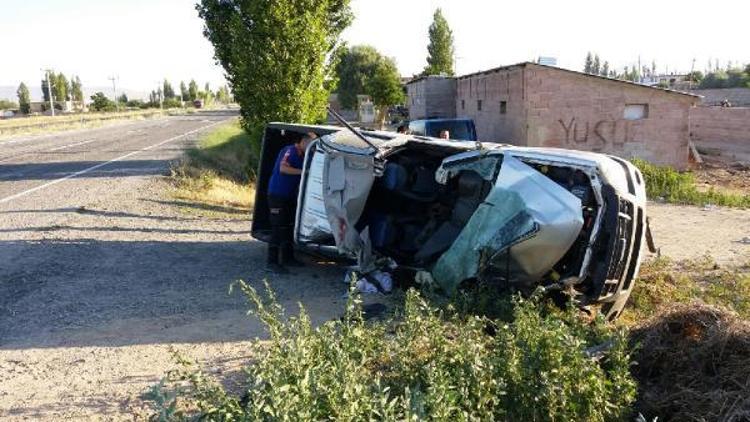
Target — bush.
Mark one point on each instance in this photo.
(100, 102)
(172, 103)
(424, 364)
(672, 186)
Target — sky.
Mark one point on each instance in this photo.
(143, 41)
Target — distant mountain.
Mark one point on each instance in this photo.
(9, 92)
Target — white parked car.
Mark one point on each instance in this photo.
(464, 211)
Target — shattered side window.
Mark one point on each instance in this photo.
(487, 166)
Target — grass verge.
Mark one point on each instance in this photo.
(219, 170)
(667, 184)
(48, 124)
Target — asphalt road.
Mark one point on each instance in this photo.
(103, 272)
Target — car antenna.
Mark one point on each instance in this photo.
(350, 127)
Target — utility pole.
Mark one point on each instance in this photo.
(692, 75)
(47, 72)
(114, 88)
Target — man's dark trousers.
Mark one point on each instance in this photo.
(281, 210)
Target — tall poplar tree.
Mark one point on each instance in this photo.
(440, 50)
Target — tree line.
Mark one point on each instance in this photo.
(714, 77)
(58, 88)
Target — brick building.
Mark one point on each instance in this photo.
(535, 105)
(431, 97)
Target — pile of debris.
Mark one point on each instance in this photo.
(693, 364)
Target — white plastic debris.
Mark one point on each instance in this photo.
(384, 279)
(365, 287)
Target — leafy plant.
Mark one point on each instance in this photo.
(672, 186)
(425, 363)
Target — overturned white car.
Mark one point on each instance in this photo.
(517, 217)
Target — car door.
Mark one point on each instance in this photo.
(338, 174)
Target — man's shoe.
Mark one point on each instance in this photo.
(276, 269)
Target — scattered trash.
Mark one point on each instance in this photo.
(745, 241)
(375, 282)
(364, 286)
(424, 279)
(384, 280)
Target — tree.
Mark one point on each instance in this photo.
(384, 87)
(7, 105)
(153, 99)
(24, 98)
(168, 90)
(440, 49)
(605, 69)
(275, 53)
(355, 66)
(122, 99)
(695, 76)
(596, 65)
(100, 102)
(192, 91)
(184, 94)
(589, 64)
(48, 82)
(222, 95)
(76, 89)
(60, 88)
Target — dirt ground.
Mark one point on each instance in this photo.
(94, 319)
(102, 278)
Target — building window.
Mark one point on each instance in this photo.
(635, 111)
(463, 105)
(479, 105)
(503, 107)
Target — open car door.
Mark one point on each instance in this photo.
(338, 174)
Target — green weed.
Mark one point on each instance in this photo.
(668, 184)
(220, 169)
(424, 364)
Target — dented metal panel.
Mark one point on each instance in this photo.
(526, 225)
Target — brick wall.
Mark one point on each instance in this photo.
(492, 89)
(431, 97)
(575, 111)
(717, 124)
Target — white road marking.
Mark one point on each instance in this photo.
(71, 145)
(92, 168)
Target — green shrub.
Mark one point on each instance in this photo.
(172, 103)
(425, 363)
(672, 186)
